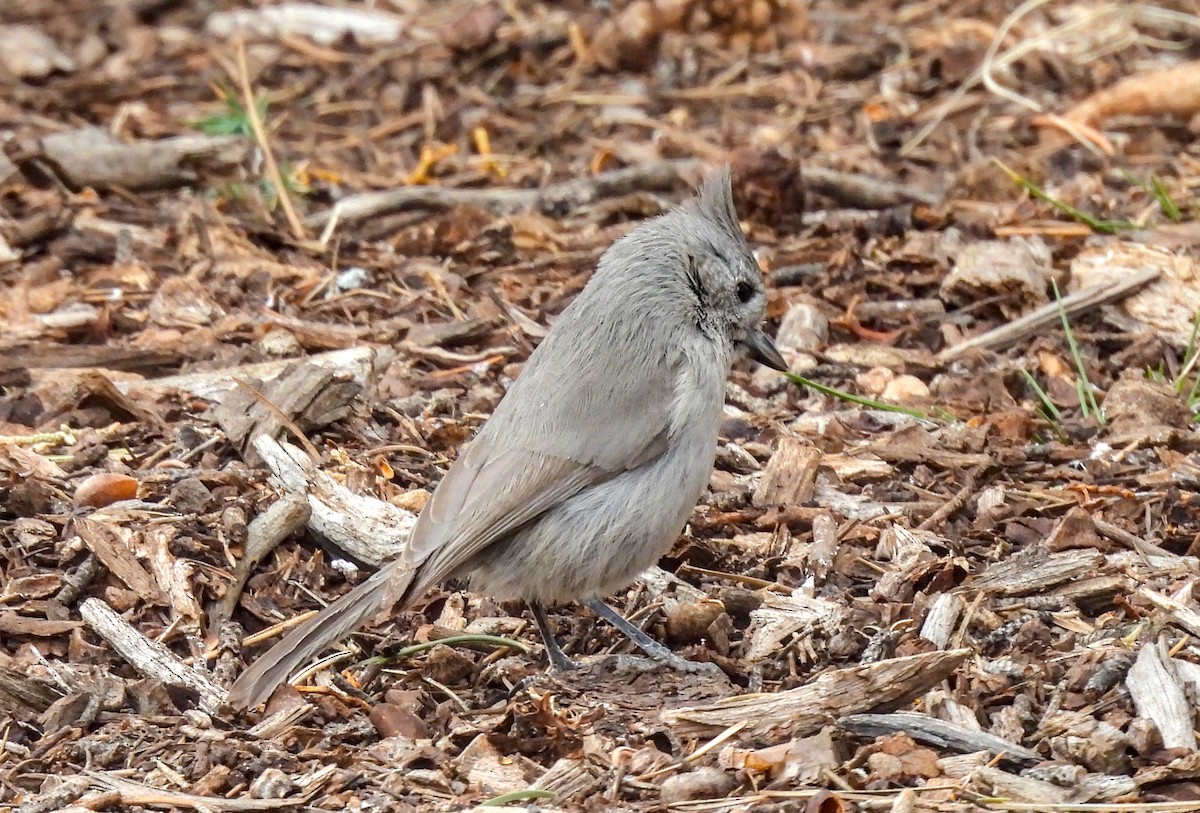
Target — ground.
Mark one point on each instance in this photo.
(953, 570)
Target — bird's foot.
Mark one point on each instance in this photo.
(658, 652)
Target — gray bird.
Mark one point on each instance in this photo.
(592, 462)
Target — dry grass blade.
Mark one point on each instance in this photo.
(260, 135)
(1034, 321)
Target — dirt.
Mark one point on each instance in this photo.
(1015, 507)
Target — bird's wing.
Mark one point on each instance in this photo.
(483, 498)
(580, 422)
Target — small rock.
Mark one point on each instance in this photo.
(272, 783)
(702, 783)
(447, 665)
(190, 496)
(105, 488)
(28, 53)
(474, 29)
(630, 39)
(803, 329)
(392, 720)
(279, 343)
(875, 380)
(906, 389)
(689, 622)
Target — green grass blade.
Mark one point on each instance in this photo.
(518, 796)
(856, 399)
(1169, 207)
(1042, 396)
(1087, 393)
(1094, 223)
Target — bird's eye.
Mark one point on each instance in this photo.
(745, 292)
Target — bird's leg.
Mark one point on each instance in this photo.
(644, 642)
(559, 661)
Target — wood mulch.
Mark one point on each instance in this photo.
(264, 269)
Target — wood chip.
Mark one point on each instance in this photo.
(113, 546)
(939, 733)
(370, 530)
(1035, 570)
(13, 624)
(803, 710)
(790, 475)
(150, 658)
(1158, 694)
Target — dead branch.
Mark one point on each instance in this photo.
(1035, 321)
(150, 658)
(939, 733)
(803, 710)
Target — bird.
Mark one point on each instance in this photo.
(591, 464)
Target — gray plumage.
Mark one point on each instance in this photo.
(593, 461)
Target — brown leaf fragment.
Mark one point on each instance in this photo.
(65, 392)
(106, 488)
(768, 188)
(13, 624)
(799, 761)
(807, 708)
(391, 720)
(898, 758)
(630, 39)
(1076, 530)
(26, 463)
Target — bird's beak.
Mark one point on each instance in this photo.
(760, 348)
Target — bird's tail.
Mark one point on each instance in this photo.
(335, 622)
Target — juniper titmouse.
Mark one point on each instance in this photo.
(593, 461)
